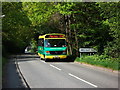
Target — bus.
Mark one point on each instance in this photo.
(52, 46)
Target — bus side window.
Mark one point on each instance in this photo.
(41, 42)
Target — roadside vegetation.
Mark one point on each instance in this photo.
(85, 24)
(4, 56)
(4, 61)
(100, 60)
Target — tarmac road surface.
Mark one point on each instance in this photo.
(41, 74)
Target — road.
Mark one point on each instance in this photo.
(40, 74)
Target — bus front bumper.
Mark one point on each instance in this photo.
(56, 57)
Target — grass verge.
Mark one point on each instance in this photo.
(102, 60)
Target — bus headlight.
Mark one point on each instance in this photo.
(47, 51)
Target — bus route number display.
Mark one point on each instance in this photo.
(54, 36)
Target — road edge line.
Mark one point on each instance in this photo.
(43, 61)
(19, 71)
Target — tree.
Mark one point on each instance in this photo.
(111, 19)
(65, 9)
(39, 14)
(94, 24)
(15, 27)
(83, 24)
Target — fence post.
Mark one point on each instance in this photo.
(80, 54)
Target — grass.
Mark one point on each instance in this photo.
(102, 60)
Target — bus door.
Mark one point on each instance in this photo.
(41, 46)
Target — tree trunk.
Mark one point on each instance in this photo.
(69, 30)
(68, 33)
(76, 38)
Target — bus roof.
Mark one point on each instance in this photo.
(43, 36)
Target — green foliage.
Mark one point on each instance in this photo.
(102, 60)
(15, 27)
(65, 8)
(38, 13)
(111, 19)
(41, 15)
(4, 61)
(33, 45)
(86, 24)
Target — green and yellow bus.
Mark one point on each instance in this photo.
(52, 46)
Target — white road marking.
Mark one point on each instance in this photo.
(55, 67)
(82, 80)
(43, 61)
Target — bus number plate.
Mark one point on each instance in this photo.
(56, 57)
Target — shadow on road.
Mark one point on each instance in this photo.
(33, 57)
(26, 59)
(11, 77)
(27, 56)
(68, 59)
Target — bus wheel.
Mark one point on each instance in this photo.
(45, 60)
(40, 58)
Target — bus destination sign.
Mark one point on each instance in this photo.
(54, 36)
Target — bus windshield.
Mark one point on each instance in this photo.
(55, 43)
